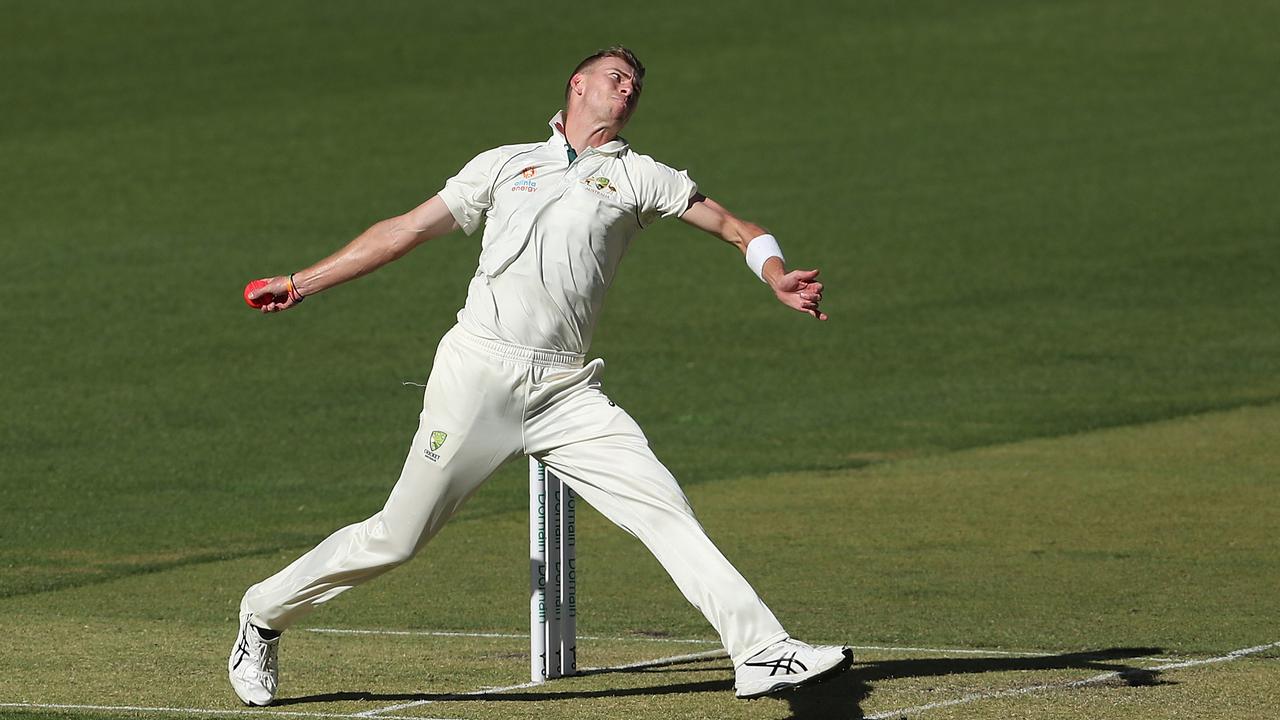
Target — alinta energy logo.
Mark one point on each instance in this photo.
(526, 183)
(437, 439)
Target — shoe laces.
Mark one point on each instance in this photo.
(262, 655)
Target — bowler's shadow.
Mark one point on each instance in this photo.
(841, 697)
(837, 698)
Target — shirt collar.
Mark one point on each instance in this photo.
(613, 147)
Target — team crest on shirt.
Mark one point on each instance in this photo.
(437, 439)
(602, 186)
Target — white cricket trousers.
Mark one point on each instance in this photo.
(487, 402)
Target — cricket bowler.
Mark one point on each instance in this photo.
(511, 377)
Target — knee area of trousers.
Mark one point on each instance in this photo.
(673, 515)
(391, 547)
(399, 553)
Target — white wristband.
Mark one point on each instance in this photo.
(759, 249)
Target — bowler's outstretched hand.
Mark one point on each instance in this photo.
(800, 290)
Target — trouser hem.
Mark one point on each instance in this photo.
(751, 651)
(255, 619)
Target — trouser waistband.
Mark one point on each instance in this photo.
(519, 353)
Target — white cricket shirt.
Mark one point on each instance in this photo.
(554, 233)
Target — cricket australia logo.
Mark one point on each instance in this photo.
(602, 186)
(436, 440)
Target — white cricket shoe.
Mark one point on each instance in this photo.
(254, 667)
(787, 665)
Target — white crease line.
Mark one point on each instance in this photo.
(960, 651)
(1097, 679)
(951, 651)
(199, 711)
(1224, 658)
(689, 641)
(659, 662)
(430, 633)
(514, 636)
(377, 713)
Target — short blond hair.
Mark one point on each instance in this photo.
(617, 51)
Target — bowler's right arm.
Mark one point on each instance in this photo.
(384, 242)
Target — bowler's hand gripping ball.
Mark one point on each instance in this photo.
(254, 286)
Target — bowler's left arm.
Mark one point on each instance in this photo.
(797, 289)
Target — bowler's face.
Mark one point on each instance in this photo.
(608, 89)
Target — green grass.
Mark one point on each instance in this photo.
(1036, 221)
(1099, 550)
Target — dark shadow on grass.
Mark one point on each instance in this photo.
(538, 695)
(837, 698)
(841, 697)
(104, 570)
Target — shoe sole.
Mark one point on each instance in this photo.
(845, 663)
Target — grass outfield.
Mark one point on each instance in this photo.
(1048, 578)
(1036, 421)
(1033, 220)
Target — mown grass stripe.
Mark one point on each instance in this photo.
(447, 633)
(690, 641)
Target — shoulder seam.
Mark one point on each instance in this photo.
(634, 193)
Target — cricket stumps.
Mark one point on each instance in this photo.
(553, 584)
